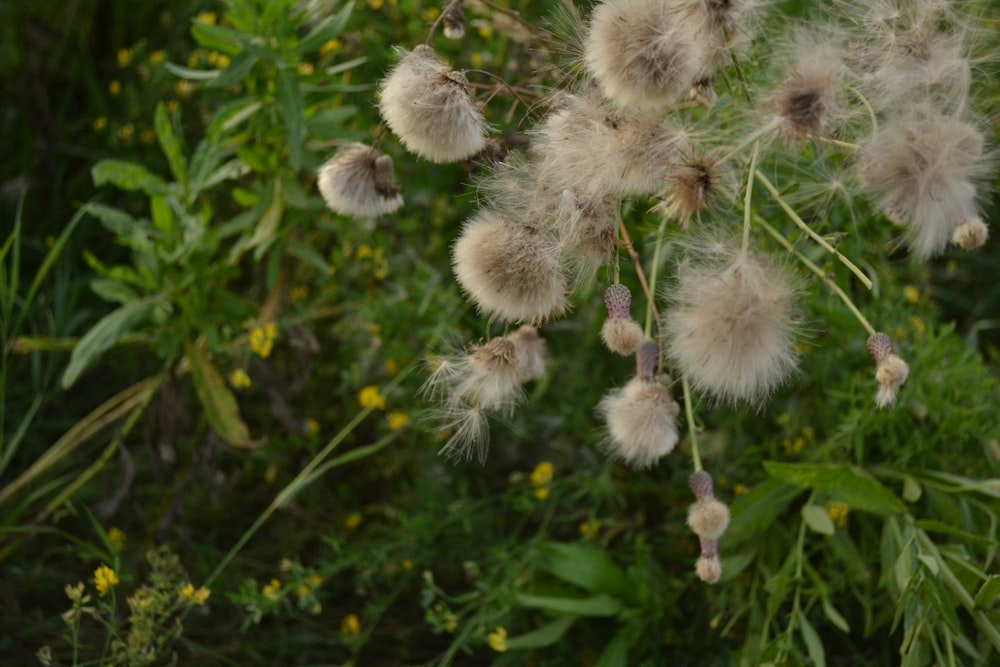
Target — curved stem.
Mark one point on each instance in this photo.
(654, 271)
(808, 230)
(747, 197)
(838, 142)
(868, 106)
(638, 268)
(692, 427)
(437, 21)
(819, 273)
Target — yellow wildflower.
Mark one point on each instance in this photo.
(100, 123)
(272, 589)
(837, 510)
(485, 31)
(75, 593)
(371, 397)
(184, 89)
(376, 4)
(911, 294)
(312, 427)
(498, 639)
(173, 105)
(298, 293)
(476, 59)
(271, 473)
(542, 492)
(305, 68)
(589, 529)
(450, 622)
(919, 327)
(207, 18)
(330, 47)
(126, 132)
(364, 251)
(407, 564)
(116, 536)
(239, 379)
(740, 489)
(542, 474)
(157, 57)
(104, 578)
(314, 580)
(429, 14)
(124, 58)
(350, 625)
(199, 596)
(353, 520)
(397, 420)
(115, 88)
(262, 339)
(391, 367)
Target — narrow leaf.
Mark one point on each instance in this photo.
(128, 176)
(598, 605)
(324, 31)
(835, 616)
(818, 520)
(849, 483)
(754, 512)
(236, 71)
(169, 144)
(547, 635)
(221, 409)
(814, 646)
(103, 335)
(292, 108)
(988, 592)
(590, 569)
(615, 654)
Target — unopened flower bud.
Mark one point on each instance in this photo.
(879, 346)
(701, 485)
(618, 300)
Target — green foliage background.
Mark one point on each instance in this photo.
(174, 211)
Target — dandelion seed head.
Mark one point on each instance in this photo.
(971, 234)
(709, 569)
(641, 421)
(708, 518)
(359, 182)
(622, 335)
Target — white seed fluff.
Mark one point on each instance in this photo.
(642, 422)
(358, 182)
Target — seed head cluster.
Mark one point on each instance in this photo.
(359, 182)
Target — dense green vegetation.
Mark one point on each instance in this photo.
(213, 445)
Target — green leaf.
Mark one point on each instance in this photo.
(128, 176)
(814, 646)
(192, 74)
(237, 69)
(292, 108)
(309, 255)
(597, 605)
(849, 483)
(547, 635)
(221, 409)
(219, 38)
(590, 569)
(754, 512)
(933, 526)
(163, 217)
(115, 291)
(988, 592)
(734, 564)
(169, 144)
(103, 335)
(835, 616)
(911, 489)
(230, 115)
(324, 31)
(328, 124)
(615, 654)
(817, 519)
(129, 231)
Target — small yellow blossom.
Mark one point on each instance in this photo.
(116, 536)
(198, 596)
(314, 580)
(837, 510)
(353, 520)
(262, 339)
(498, 639)
(364, 251)
(115, 88)
(391, 367)
(271, 473)
(911, 294)
(124, 58)
(184, 89)
(919, 327)
(312, 427)
(239, 379)
(589, 529)
(272, 589)
(147, 137)
(542, 474)
(407, 564)
(173, 105)
(350, 625)
(450, 622)
(371, 397)
(542, 492)
(305, 69)
(376, 4)
(208, 18)
(104, 578)
(157, 57)
(430, 14)
(126, 132)
(330, 47)
(485, 31)
(476, 59)
(740, 489)
(75, 593)
(397, 420)
(100, 123)
(298, 293)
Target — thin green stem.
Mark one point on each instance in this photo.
(652, 274)
(692, 427)
(838, 142)
(820, 274)
(747, 198)
(865, 280)
(752, 138)
(868, 106)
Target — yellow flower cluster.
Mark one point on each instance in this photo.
(262, 339)
(272, 589)
(498, 639)
(540, 478)
(837, 510)
(590, 529)
(397, 419)
(104, 579)
(371, 397)
(239, 379)
(350, 625)
(116, 536)
(198, 596)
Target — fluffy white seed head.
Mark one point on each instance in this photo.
(729, 327)
(509, 270)
(709, 569)
(922, 169)
(428, 107)
(890, 374)
(622, 335)
(695, 183)
(642, 422)
(641, 52)
(493, 378)
(971, 234)
(468, 429)
(805, 103)
(708, 518)
(358, 182)
(587, 228)
(530, 350)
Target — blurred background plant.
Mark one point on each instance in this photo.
(209, 412)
